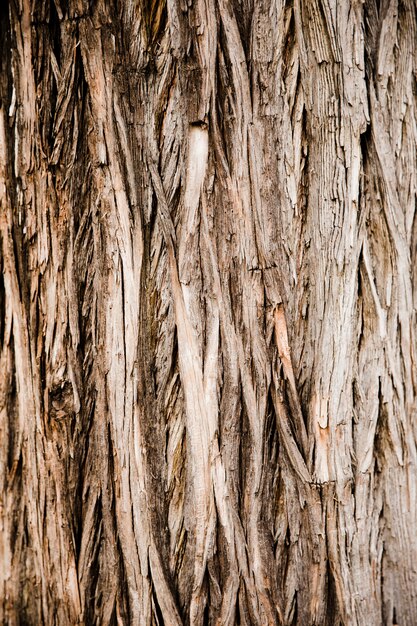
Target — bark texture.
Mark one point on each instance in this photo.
(207, 312)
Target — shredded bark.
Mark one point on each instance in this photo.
(208, 297)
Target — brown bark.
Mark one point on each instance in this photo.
(207, 312)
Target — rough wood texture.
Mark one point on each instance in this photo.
(207, 312)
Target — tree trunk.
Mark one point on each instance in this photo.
(207, 312)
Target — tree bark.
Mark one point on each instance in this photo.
(208, 312)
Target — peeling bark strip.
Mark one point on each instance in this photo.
(208, 291)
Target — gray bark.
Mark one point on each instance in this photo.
(207, 312)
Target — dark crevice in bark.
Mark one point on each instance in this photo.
(271, 435)
(155, 18)
(158, 613)
(244, 10)
(332, 613)
(6, 84)
(94, 564)
(244, 451)
(382, 439)
(2, 299)
(54, 30)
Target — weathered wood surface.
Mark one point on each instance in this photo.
(207, 312)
